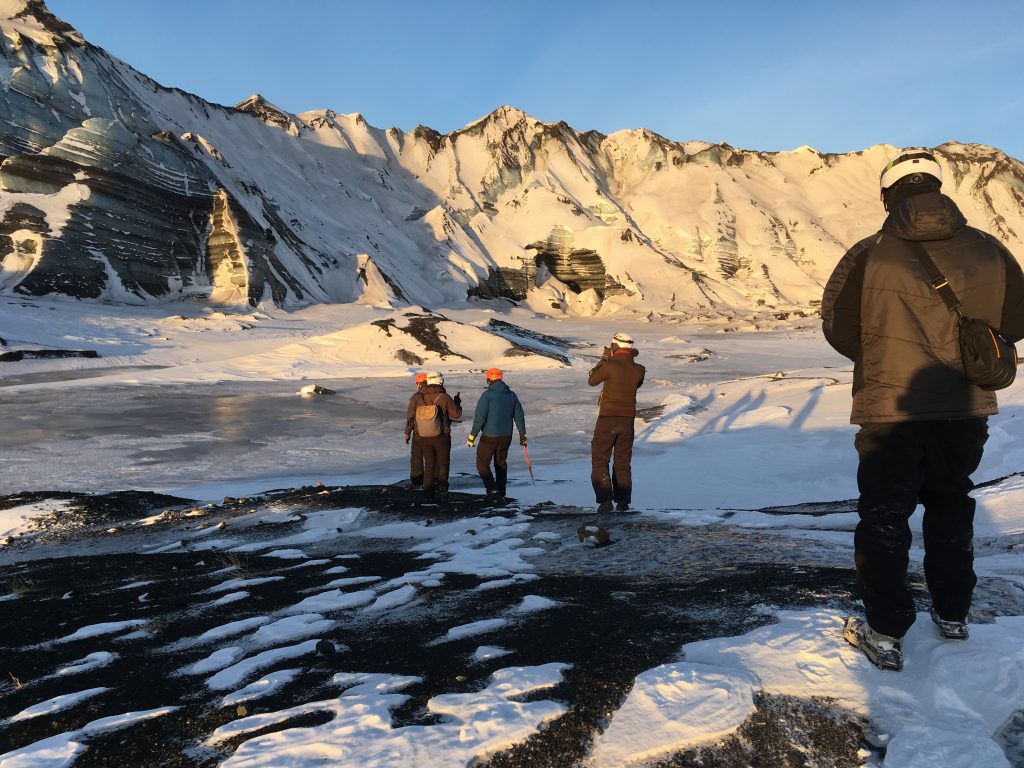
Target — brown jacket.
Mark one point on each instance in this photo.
(879, 310)
(621, 377)
(432, 393)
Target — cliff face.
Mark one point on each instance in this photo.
(115, 188)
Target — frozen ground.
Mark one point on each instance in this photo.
(167, 625)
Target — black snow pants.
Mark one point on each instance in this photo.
(493, 448)
(437, 452)
(612, 433)
(901, 464)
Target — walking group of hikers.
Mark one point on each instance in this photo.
(431, 411)
(928, 309)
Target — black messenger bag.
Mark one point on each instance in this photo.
(989, 358)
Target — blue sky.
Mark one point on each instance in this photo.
(838, 76)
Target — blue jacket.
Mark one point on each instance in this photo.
(495, 411)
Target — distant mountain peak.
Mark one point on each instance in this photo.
(257, 103)
(502, 118)
(510, 114)
(35, 19)
(259, 107)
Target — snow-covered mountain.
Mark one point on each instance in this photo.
(114, 187)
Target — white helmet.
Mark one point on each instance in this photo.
(622, 340)
(907, 163)
(435, 378)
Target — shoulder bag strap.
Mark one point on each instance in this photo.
(936, 279)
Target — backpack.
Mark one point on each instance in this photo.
(989, 358)
(428, 419)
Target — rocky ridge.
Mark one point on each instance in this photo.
(113, 187)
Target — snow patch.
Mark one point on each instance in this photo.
(474, 725)
(104, 628)
(56, 704)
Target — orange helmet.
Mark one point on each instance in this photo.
(421, 378)
(493, 374)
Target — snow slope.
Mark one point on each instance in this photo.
(118, 189)
(743, 434)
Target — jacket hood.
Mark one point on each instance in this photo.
(930, 216)
(498, 385)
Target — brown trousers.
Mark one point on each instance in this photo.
(612, 434)
(493, 447)
(437, 452)
(416, 462)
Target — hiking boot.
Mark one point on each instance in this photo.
(883, 651)
(604, 508)
(951, 630)
(622, 507)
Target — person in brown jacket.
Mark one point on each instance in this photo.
(429, 416)
(621, 376)
(923, 424)
(416, 453)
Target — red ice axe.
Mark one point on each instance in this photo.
(529, 466)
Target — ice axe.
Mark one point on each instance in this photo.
(529, 466)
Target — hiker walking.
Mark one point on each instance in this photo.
(429, 416)
(923, 423)
(621, 376)
(416, 454)
(496, 410)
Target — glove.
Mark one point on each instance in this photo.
(522, 440)
(458, 400)
(607, 353)
(407, 438)
(469, 440)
